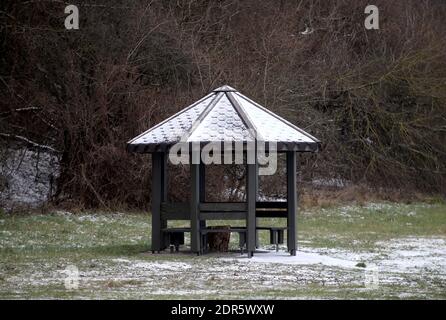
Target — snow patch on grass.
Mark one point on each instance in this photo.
(414, 255)
(301, 258)
(112, 267)
(162, 266)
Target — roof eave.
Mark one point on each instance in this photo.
(280, 146)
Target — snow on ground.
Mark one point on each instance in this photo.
(405, 255)
(414, 255)
(410, 255)
(406, 267)
(162, 266)
(231, 275)
(26, 176)
(301, 258)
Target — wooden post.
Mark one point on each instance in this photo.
(202, 189)
(157, 190)
(257, 191)
(292, 202)
(194, 207)
(164, 191)
(202, 196)
(251, 203)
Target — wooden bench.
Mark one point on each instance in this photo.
(240, 230)
(174, 237)
(276, 235)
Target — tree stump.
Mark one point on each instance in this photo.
(219, 241)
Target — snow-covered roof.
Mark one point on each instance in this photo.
(224, 115)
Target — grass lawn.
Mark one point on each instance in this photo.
(402, 245)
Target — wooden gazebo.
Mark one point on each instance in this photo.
(224, 117)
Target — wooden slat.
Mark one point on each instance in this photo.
(176, 230)
(232, 229)
(175, 211)
(223, 206)
(179, 215)
(271, 214)
(271, 228)
(233, 215)
(172, 207)
(180, 210)
(271, 204)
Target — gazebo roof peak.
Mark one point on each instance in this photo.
(224, 115)
(224, 88)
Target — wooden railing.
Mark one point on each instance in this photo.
(223, 210)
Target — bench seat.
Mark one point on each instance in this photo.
(175, 236)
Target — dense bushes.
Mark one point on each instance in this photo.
(375, 98)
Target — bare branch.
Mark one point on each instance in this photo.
(29, 142)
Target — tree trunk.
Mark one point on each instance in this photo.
(219, 241)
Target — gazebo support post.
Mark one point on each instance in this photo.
(194, 208)
(158, 192)
(257, 220)
(202, 188)
(164, 188)
(292, 202)
(251, 202)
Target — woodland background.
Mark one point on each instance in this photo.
(375, 98)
